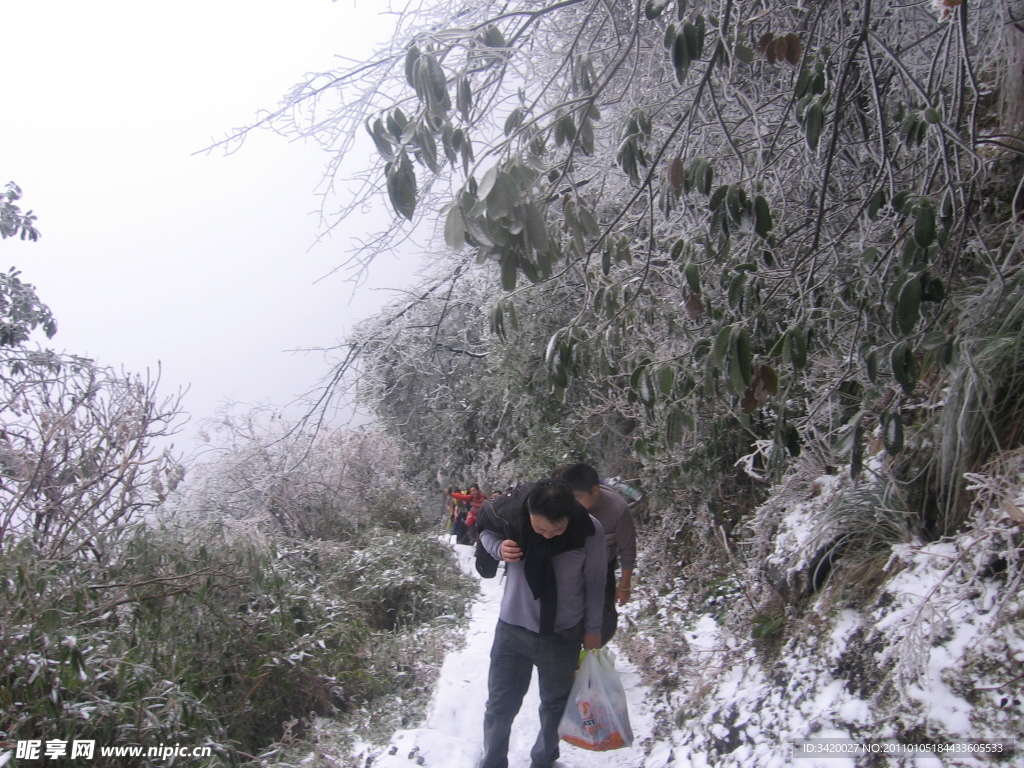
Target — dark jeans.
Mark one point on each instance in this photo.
(514, 654)
(610, 617)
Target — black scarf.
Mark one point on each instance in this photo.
(538, 569)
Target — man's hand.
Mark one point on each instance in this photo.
(592, 642)
(624, 591)
(510, 551)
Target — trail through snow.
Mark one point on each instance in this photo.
(453, 732)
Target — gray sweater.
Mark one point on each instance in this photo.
(612, 512)
(580, 576)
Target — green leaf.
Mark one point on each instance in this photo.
(721, 345)
(645, 389)
(924, 223)
(498, 322)
(529, 269)
(380, 139)
(871, 364)
(509, 270)
(536, 229)
(397, 123)
(677, 249)
(401, 185)
(493, 37)
(680, 57)
(454, 229)
(428, 149)
(892, 432)
(565, 130)
(718, 197)
(550, 356)
(736, 286)
(467, 153)
(503, 197)
(900, 200)
(692, 272)
(670, 36)
(410, 62)
(762, 217)
(908, 305)
(666, 378)
(875, 203)
(436, 79)
(744, 353)
(699, 176)
(676, 421)
(701, 349)
(591, 228)
(913, 130)
(694, 43)
(634, 377)
(904, 366)
(586, 133)
(654, 8)
(814, 122)
(477, 234)
(737, 203)
(735, 382)
(513, 121)
(464, 98)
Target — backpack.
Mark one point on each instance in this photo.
(494, 515)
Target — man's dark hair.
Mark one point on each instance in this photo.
(580, 477)
(551, 500)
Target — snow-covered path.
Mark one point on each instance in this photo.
(452, 734)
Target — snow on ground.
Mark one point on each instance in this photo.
(934, 658)
(452, 734)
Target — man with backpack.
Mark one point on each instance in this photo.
(554, 555)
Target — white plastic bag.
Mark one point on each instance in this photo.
(595, 716)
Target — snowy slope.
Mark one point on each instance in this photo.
(452, 734)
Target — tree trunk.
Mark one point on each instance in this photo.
(1011, 106)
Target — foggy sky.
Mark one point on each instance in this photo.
(151, 255)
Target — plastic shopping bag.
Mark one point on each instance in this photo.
(595, 716)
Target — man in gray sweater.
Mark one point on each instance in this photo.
(554, 555)
(611, 510)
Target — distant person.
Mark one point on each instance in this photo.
(612, 512)
(475, 499)
(555, 565)
(459, 530)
